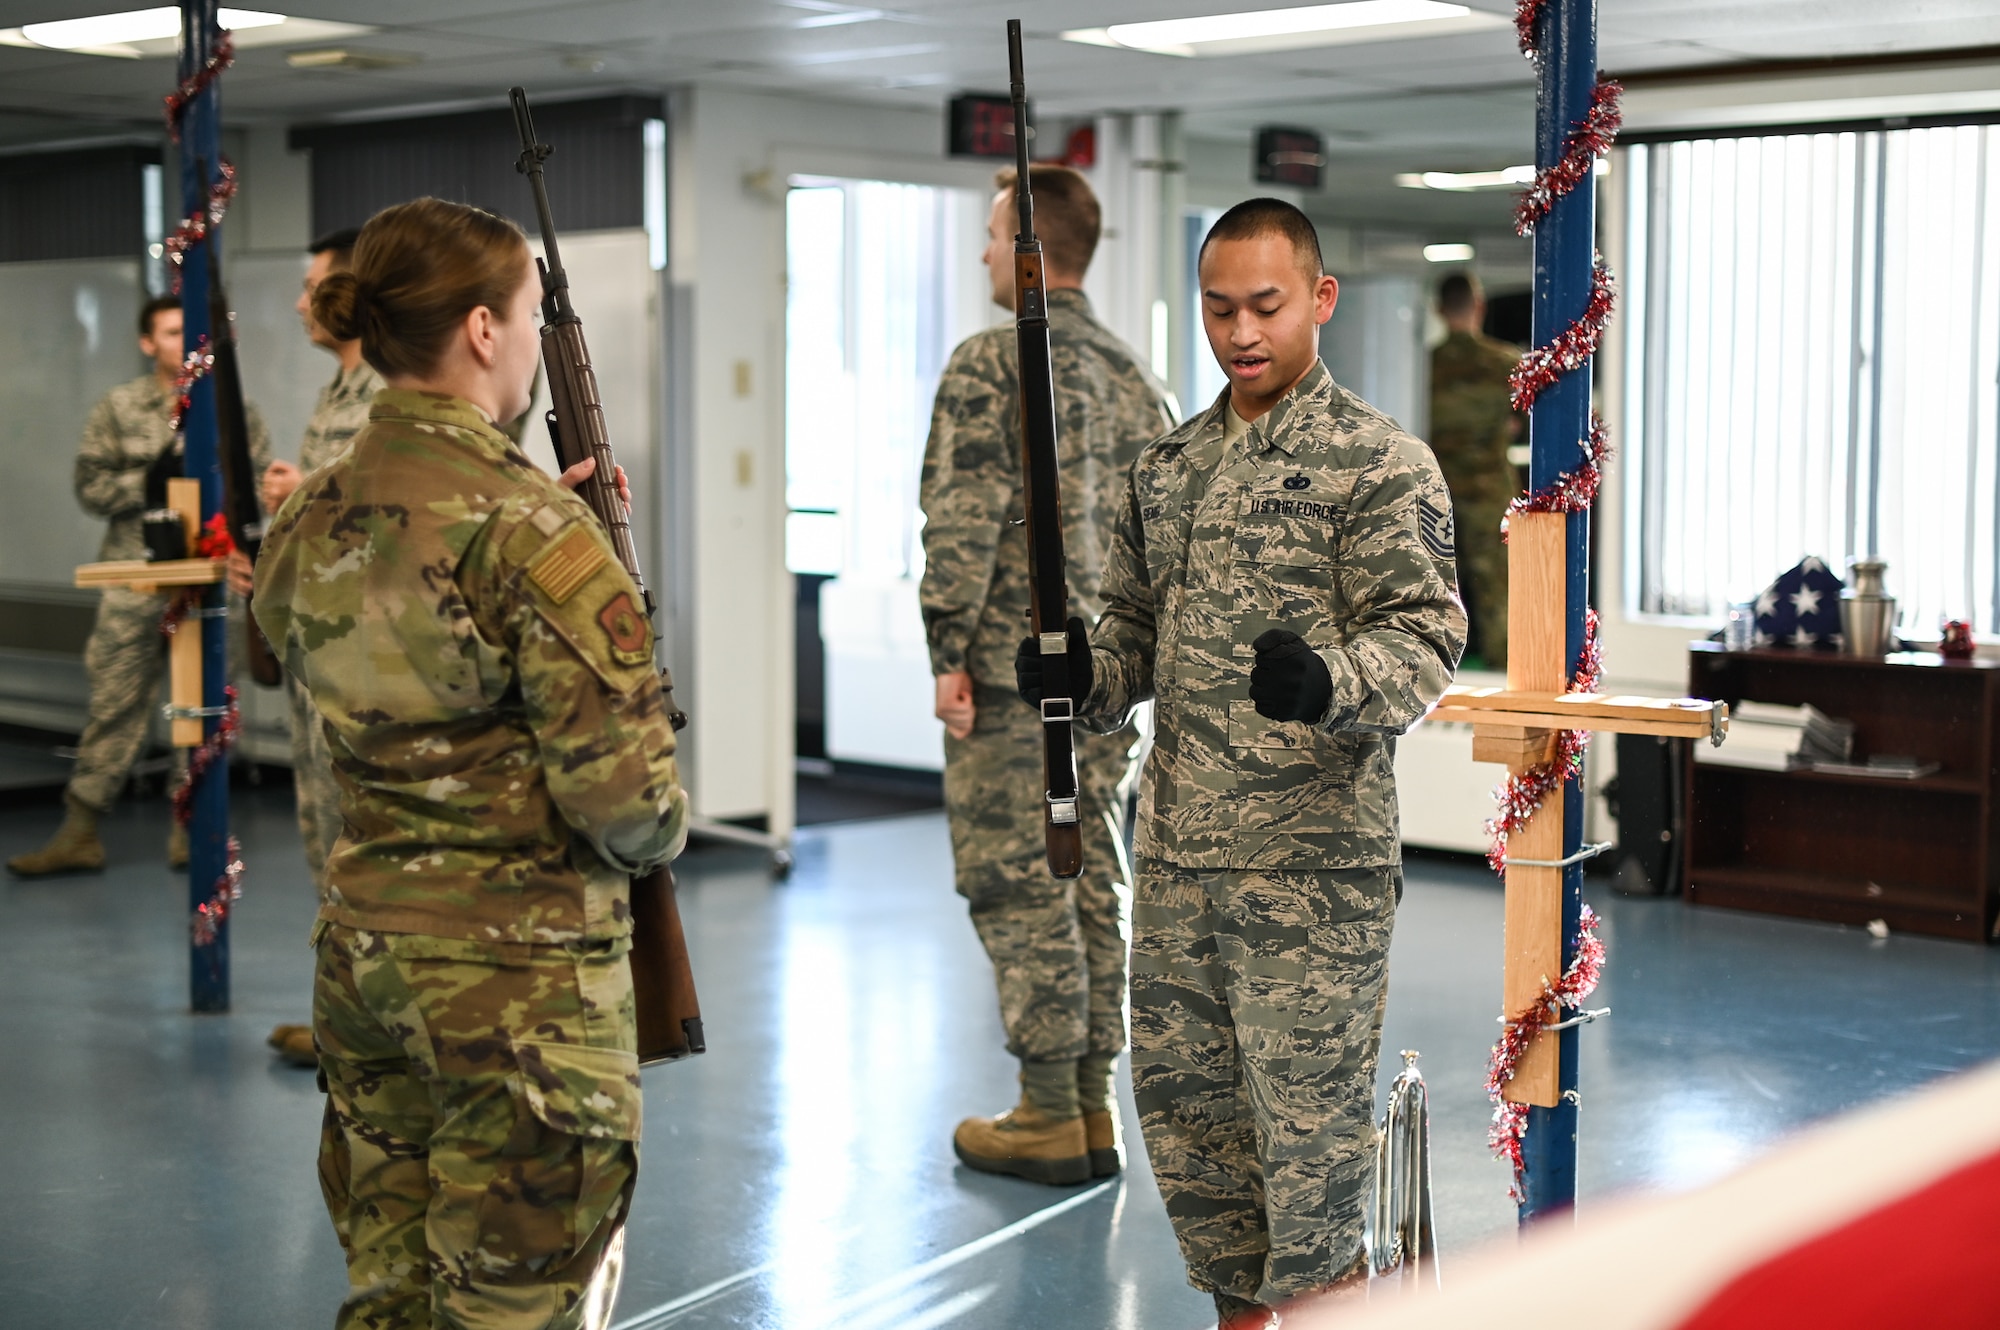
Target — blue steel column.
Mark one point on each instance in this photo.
(1559, 422)
(208, 836)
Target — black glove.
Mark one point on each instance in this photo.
(165, 467)
(1028, 666)
(1289, 680)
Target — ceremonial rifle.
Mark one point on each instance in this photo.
(669, 1014)
(242, 509)
(1048, 598)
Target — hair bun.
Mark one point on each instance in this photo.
(340, 306)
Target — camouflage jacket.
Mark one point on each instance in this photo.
(486, 680)
(1325, 519)
(338, 416)
(122, 436)
(1108, 407)
(1471, 419)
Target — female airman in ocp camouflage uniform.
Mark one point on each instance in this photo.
(505, 763)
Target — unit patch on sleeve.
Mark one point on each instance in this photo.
(631, 644)
(1435, 527)
(561, 569)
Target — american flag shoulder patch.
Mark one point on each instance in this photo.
(562, 568)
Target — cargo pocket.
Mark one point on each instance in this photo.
(1271, 993)
(568, 1166)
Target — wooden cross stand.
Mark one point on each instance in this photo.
(1518, 726)
(184, 653)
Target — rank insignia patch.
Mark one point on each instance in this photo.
(630, 642)
(1434, 526)
(559, 571)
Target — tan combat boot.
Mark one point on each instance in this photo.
(295, 1045)
(1106, 1143)
(1097, 1095)
(177, 847)
(73, 849)
(1025, 1142)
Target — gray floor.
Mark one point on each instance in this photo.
(160, 1170)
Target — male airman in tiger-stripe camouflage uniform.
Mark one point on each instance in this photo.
(1281, 584)
(120, 472)
(1059, 949)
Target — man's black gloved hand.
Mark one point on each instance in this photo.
(1028, 666)
(165, 467)
(1289, 680)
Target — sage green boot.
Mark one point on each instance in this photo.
(74, 848)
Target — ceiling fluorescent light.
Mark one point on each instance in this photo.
(1290, 29)
(1448, 253)
(1461, 181)
(153, 32)
(135, 25)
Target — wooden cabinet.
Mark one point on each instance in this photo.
(1918, 854)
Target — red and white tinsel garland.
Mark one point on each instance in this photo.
(192, 87)
(1573, 491)
(194, 229)
(211, 913)
(1579, 980)
(1572, 348)
(208, 916)
(207, 754)
(1591, 139)
(194, 365)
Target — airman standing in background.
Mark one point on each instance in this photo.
(337, 417)
(122, 469)
(1059, 949)
(1472, 426)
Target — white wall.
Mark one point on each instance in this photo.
(732, 153)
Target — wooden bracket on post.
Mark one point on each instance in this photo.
(184, 651)
(1517, 726)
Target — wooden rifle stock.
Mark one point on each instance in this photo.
(667, 1008)
(1048, 600)
(242, 510)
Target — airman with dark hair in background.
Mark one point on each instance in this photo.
(337, 417)
(127, 456)
(1472, 426)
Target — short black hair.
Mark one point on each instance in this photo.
(152, 309)
(1458, 293)
(338, 243)
(1261, 217)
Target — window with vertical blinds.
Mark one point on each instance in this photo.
(1815, 341)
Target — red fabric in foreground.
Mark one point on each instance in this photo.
(1926, 1260)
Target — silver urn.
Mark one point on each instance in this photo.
(1867, 613)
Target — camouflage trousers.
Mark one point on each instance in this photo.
(314, 788)
(1256, 1021)
(481, 1135)
(125, 659)
(1482, 574)
(1059, 949)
